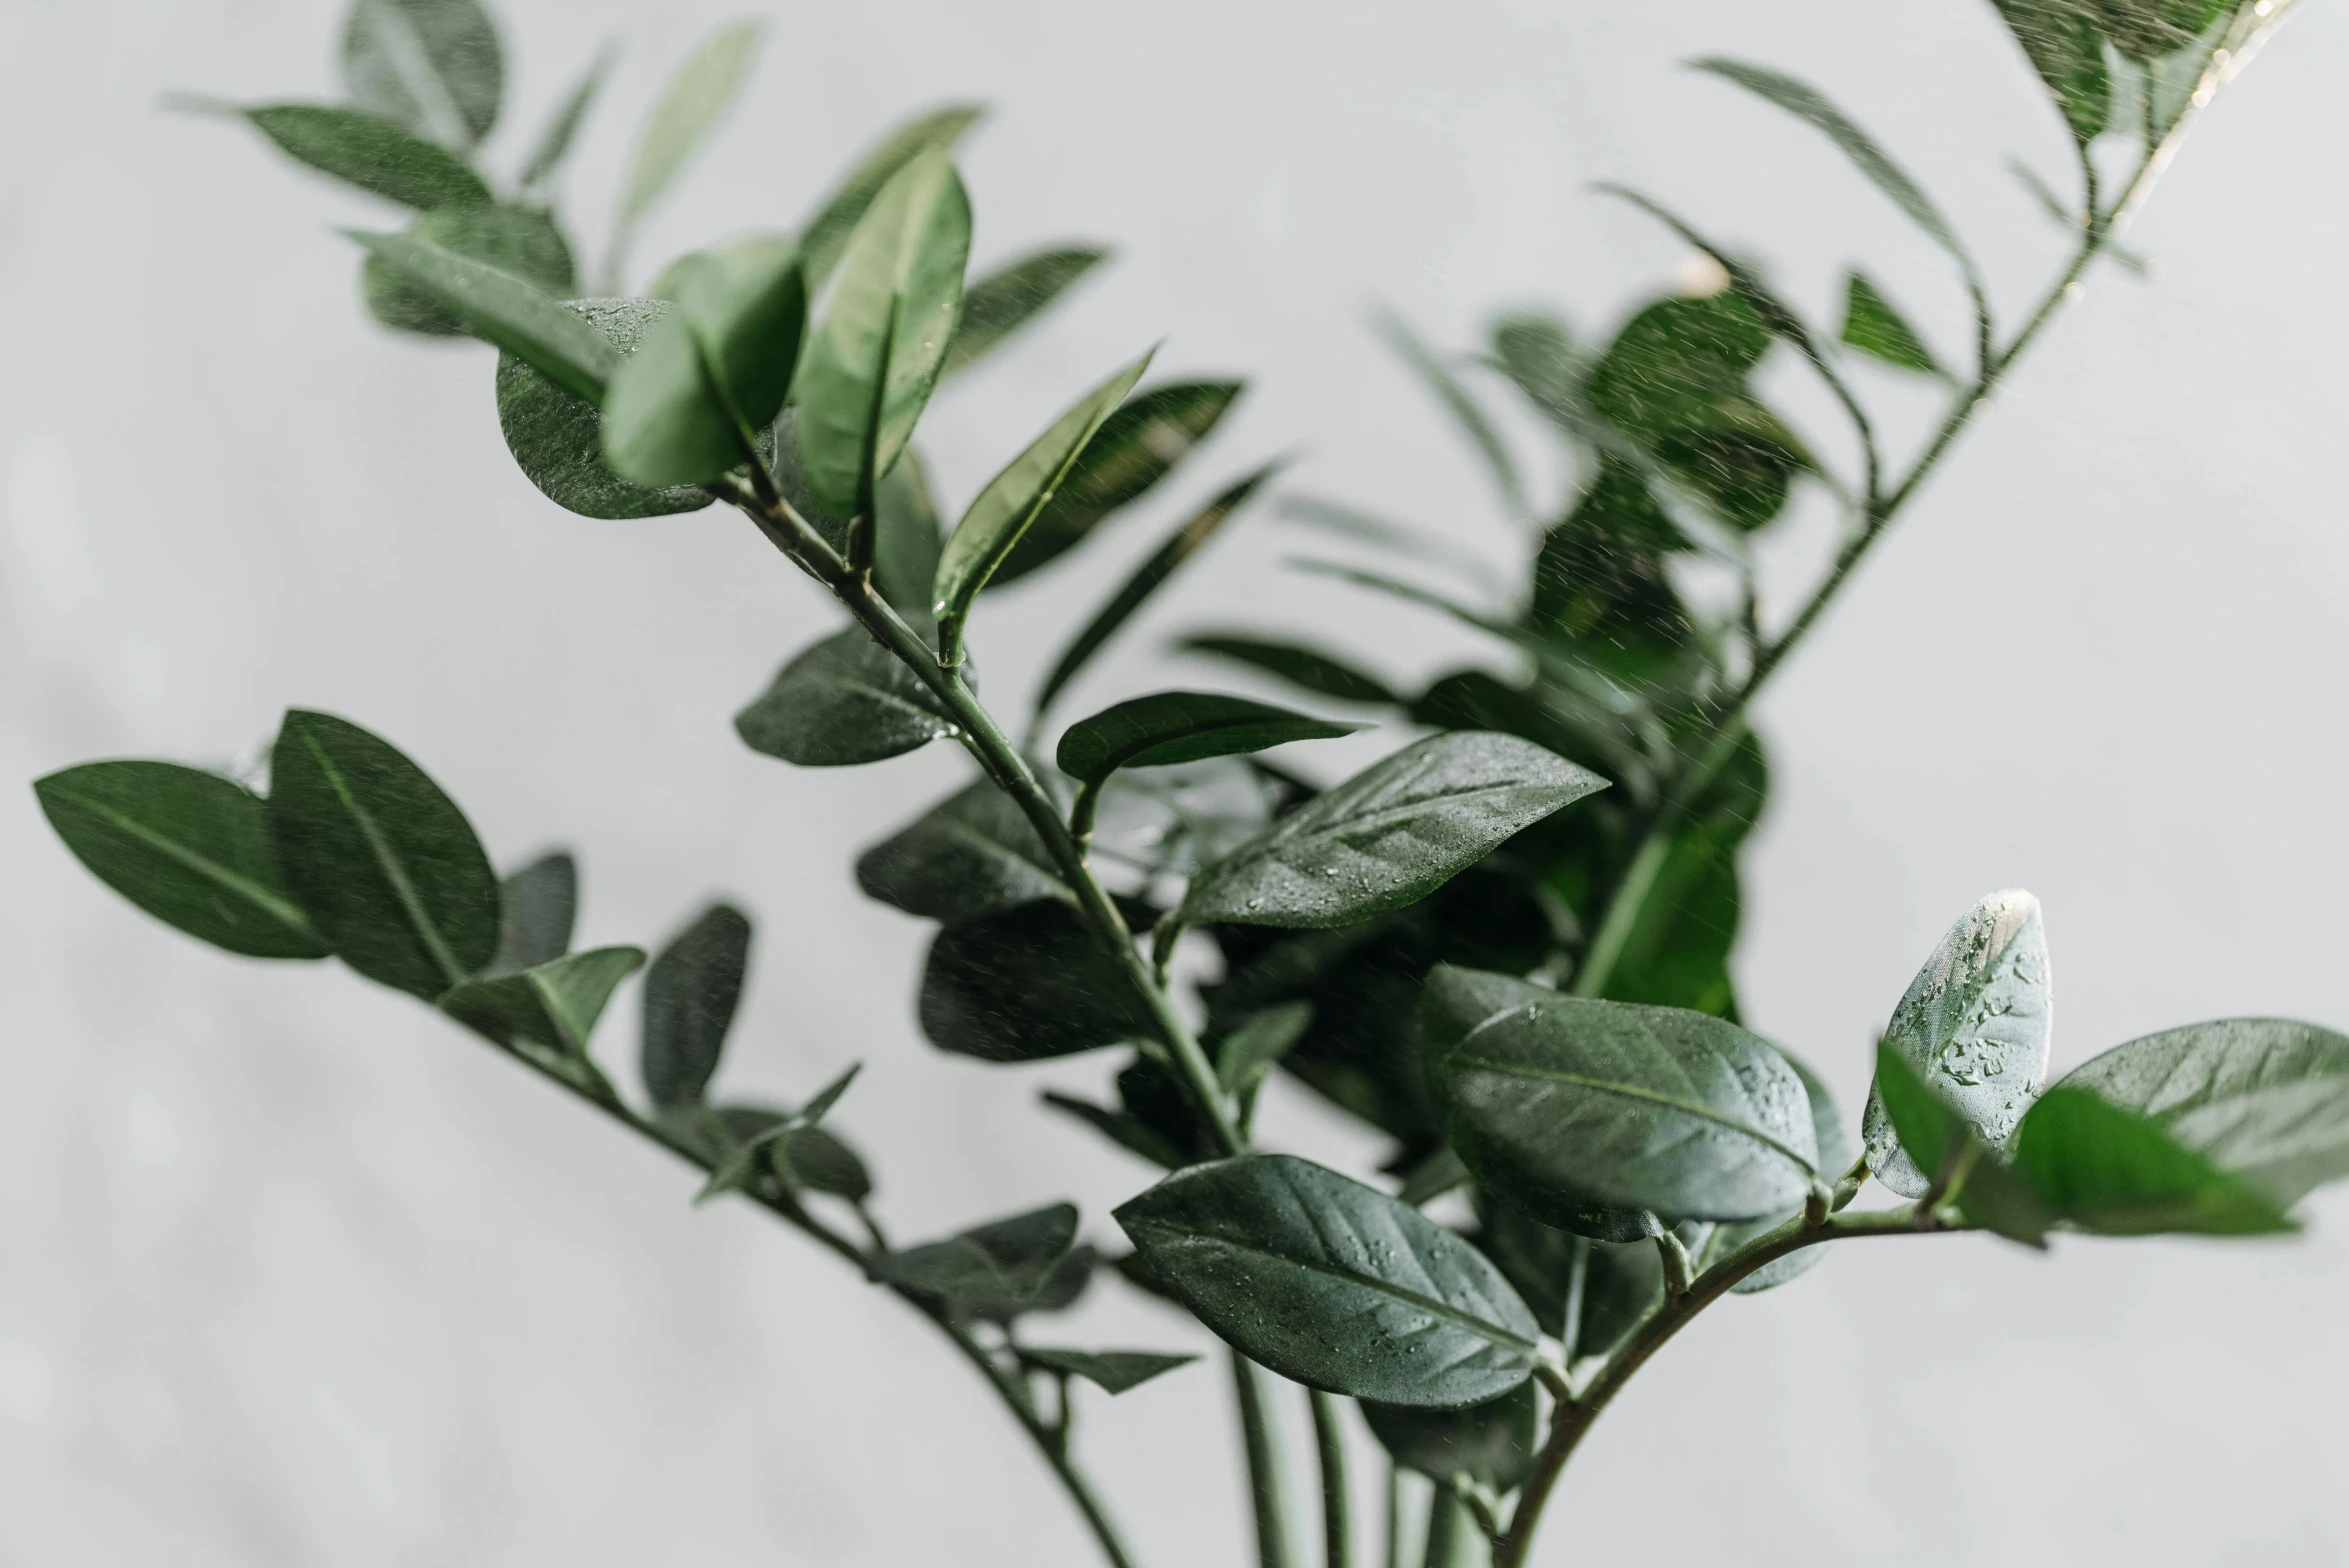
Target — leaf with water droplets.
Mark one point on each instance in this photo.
(2111, 1171)
(1835, 1156)
(556, 435)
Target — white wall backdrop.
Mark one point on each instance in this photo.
(294, 1274)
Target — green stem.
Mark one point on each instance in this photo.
(1265, 1489)
(1329, 1443)
(1394, 1514)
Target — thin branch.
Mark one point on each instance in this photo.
(1329, 1445)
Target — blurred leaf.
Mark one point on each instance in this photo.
(1622, 1280)
(384, 864)
(1115, 1370)
(1599, 581)
(1007, 299)
(1062, 1289)
(562, 128)
(1985, 1190)
(538, 905)
(825, 238)
(845, 700)
(1332, 1284)
(1872, 326)
(689, 998)
(1135, 448)
(1492, 1444)
(906, 545)
(189, 847)
(1123, 1128)
(1163, 563)
(691, 106)
(555, 1005)
(1458, 403)
(991, 529)
(817, 1159)
(1432, 1177)
(1676, 953)
(764, 1142)
(2060, 39)
(1390, 835)
(2151, 29)
(2116, 1173)
(1175, 819)
(1181, 726)
(1308, 668)
(1006, 1261)
(371, 153)
(500, 308)
(1025, 984)
(1975, 1023)
(1538, 354)
(515, 240)
(556, 436)
(1256, 1044)
(972, 854)
(713, 369)
(431, 65)
(1836, 1153)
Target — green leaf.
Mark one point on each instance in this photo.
(1179, 547)
(1174, 820)
(537, 906)
(516, 240)
(1181, 726)
(873, 363)
(2265, 1099)
(562, 128)
(1390, 835)
(817, 1159)
(762, 1142)
(1808, 104)
(1458, 403)
(974, 853)
(1492, 1444)
(1134, 449)
(715, 368)
(2148, 30)
(186, 846)
(2114, 1172)
(384, 864)
(500, 308)
(845, 700)
(1622, 1281)
(1836, 1153)
(824, 239)
(1561, 1102)
(907, 542)
(433, 66)
(1985, 1190)
(1114, 1370)
(1252, 1049)
(1333, 1284)
(1011, 296)
(1538, 354)
(1308, 668)
(991, 528)
(1003, 1263)
(1123, 1128)
(689, 998)
(554, 1005)
(696, 99)
(1975, 1023)
(556, 436)
(1026, 984)
(2060, 39)
(1872, 326)
(371, 153)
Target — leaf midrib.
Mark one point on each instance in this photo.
(394, 870)
(1631, 1091)
(284, 911)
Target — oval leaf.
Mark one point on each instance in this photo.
(371, 153)
(1307, 668)
(1390, 835)
(1027, 984)
(1334, 1284)
(1492, 1444)
(517, 240)
(500, 308)
(713, 368)
(2104, 1169)
(1835, 1156)
(993, 1266)
(1181, 726)
(696, 99)
(555, 1005)
(1007, 299)
(844, 701)
(556, 436)
(972, 854)
(537, 907)
(433, 66)
(689, 998)
(826, 235)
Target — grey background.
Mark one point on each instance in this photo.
(294, 1274)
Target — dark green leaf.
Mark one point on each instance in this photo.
(556, 435)
(716, 367)
(371, 153)
(2150, 29)
(384, 864)
(825, 238)
(188, 847)
(990, 530)
(689, 998)
(1334, 1284)
(433, 66)
(1026, 984)
(1061, 1290)
(816, 1159)
(500, 308)
(696, 99)
(555, 1005)
(562, 128)
(1492, 1444)
(1007, 1261)
(538, 905)
(1181, 726)
(2116, 1173)
(1259, 1042)
(1986, 1191)
(2265, 1099)
(1308, 668)
(1975, 1023)
(1676, 952)
(1872, 326)
(1600, 584)
(972, 854)
(2060, 39)
(1179, 547)
(1457, 402)
(1390, 835)
(1621, 1281)
(906, 545)
(758, 1142)
(845, 700)
(1123, 1128)
(1562, 1102)
(1432, 1177)
(516, 240)
(1836, 1154)
(872, 365)
(1007, 299)
(1115, 1370)
(1134, 449)
(1538, 354)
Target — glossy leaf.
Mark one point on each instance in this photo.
(1985, 1190)
(691, 107)
(873, 363)
(1390, 835)
(690, 994)
(990, 530)
(843, 701)
(500, 308)
(433, 66)
(555, 1005)
(1025, 984)
(1163, 563)
(371, 153)
(1181, 726)
(562, 127)
(1975, 1022)
(516, 240)
(2265, 1099)
(1308, 668)
(2116, 1173)
(1836, 1153)
(715, 368)
(556, 436)
(972, 854)
(1561, 1102)
(189, 847)
(1007, 299)
(537, 905)
(1134, 449)
(384, 864)
(1333, 1284)
(1463, 408)
(1115, 1370)
(2060, 39)
(825, 238)
(1872, 326)
(1007, 1261)
(1491, 1444)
